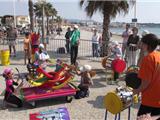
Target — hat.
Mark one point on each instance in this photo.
(7, 71)
(41, 46)
(85, 68)
(115, 43)
(145, 32)
(76, 26)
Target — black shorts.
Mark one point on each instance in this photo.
(146, 109)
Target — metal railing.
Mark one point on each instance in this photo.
(85, 47)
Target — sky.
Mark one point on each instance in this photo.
(147, 10)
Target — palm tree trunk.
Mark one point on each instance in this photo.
(106, 33)
(30, 4)
(47, 25)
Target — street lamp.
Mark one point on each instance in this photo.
(14, 13)
(134, 20)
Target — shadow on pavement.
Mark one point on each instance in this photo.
(39, 104)
(97, 103)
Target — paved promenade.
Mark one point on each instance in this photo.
(90, 108)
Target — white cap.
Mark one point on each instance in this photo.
(76, 26)
(145, 32)
(85, 68)
(115, 43)
(41, 46)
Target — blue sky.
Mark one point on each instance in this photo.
(147, 10)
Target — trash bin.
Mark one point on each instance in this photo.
(5, 57)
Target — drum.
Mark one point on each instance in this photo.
(132, 80)
(133, 68)
(118, 65)
(118, 100)
(106, 62)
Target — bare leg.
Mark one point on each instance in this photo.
(10, 50)
(14, 49)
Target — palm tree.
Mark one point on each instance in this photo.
(109, 9)
(30, 4)
(48, 10)
(59, 19)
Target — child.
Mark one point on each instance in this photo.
(42, 57)
(58, 65)
(116, 50)
(27, 48)
(86, 81)
(9, 92)
(150, 77)
(117, 54)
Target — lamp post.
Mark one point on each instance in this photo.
(135, 11)
(14, 13)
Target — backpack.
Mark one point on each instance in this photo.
(61, 50)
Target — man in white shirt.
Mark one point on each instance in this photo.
(95, 44)
(125, 36)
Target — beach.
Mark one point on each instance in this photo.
(89, 108)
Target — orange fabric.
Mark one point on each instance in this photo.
(150, 71)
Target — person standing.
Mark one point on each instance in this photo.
(34, 43)
(27, 48)
(12, 35)
(95, 44)
(125, 36)
(149, 74)
(132, 45)
(74, 44)
(67, 36)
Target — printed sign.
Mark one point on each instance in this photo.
(56, 114)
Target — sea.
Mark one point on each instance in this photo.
(154, 30)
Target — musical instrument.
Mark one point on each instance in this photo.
(131, 78)
(118, 100)
(118, 65)
(133, 68)
(106, 62)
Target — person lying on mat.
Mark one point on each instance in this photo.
(10, 96)
(149, 73)
(42, 57)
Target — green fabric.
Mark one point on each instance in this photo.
(116, 76)
(43, 79)
(75, 37)
(21, 96)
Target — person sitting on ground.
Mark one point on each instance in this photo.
(42, 57)
(27, 48)
(149, 73)
(86, 81)
(10, 96)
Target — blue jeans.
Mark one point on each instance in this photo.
(95, 50)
